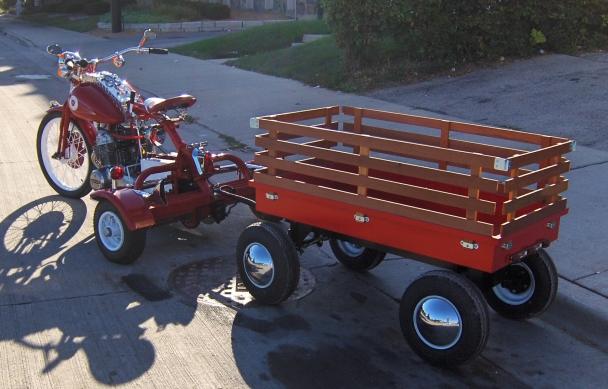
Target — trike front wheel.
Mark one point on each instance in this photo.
(444, 318)
(267, 262)
(68, 174)
(526, 289)
(117, 243)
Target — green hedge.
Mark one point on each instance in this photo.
(213, 11)
(71, 7)
(454, 31)
(96, 8)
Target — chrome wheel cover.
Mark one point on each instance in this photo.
(437, 322)
(258, 265)
(111, 231)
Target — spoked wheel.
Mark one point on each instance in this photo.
(444, 318)
(267, 262)
(117, 243)
(526, 289)
(355, 257)
(68, 175)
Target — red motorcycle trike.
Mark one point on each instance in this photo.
(106, 137)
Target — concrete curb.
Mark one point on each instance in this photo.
(200, 26)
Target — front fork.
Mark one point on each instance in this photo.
(64, 125)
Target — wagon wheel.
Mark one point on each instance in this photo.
(444, 318)
(526, 289)
(356, 257)
(117, 243)
(267, 262)
(264, 216)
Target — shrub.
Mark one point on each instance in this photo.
(453, 31)
(213, 11)
(96, 8)
(70, 8)
(50, 8)
(216, 11)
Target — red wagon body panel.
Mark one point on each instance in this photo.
(461, 201)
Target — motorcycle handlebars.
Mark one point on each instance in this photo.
(138, 50)
(73, 59)
(158, 51)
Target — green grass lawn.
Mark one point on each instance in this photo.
(254, 40)
(84, 24)
(314, 63)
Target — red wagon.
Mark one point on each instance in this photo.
(482, 202)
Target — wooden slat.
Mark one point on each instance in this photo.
(473, 129)
(404, 169)
(377, 205)
(393, 134)
(533, 217)
(474, 193)
(536, 176)
(462, 145)
(498, 133)
(395, 117)
(383, 145)
(396, 188)
(534, 197)
(538, 156)
(304, 115)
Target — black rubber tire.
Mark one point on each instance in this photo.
(188, 223)
(529, 303)
(130, 247)
(284, 257)
(264, 216)
(45, 161)
(465, 298)
(364, 261)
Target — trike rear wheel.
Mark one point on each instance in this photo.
(526, 289)
(267, 262)
(117, 243)
(68, 175)
(444, 318)
(355, 257)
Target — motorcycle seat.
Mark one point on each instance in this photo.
(157, 104)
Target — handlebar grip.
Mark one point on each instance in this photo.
(158, 51)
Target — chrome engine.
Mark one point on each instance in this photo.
(109, 152)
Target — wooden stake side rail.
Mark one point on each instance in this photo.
(461, 192)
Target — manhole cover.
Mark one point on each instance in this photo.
(215, 281)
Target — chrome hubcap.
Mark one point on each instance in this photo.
(111, 232)
(437, 322)
(258, 264)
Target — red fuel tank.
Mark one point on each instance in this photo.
(90, 102)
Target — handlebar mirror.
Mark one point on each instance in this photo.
(149, 34)
(54, 49)
(119, 61)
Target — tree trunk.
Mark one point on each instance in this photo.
(116, 15)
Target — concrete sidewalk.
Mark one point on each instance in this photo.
(228, 98)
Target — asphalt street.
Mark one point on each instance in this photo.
(71, 319)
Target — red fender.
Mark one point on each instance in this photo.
(87, 127)
(132, 207)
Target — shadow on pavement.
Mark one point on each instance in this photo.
(65, 303)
